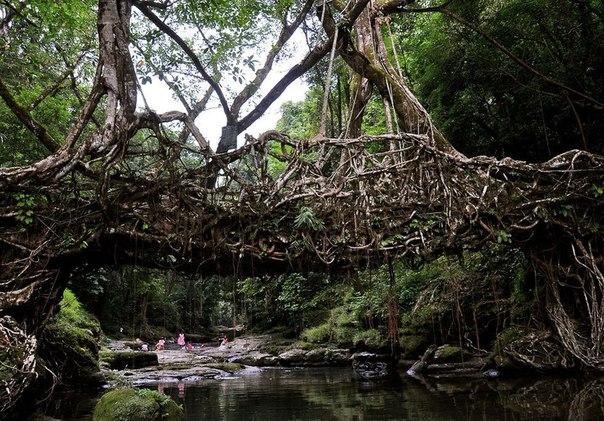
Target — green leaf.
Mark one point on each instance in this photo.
(307, 219)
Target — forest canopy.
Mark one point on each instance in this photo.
(430, 131)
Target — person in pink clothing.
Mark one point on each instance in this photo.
(181, 339)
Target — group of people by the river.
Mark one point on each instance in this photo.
(180, 341)
(161, 344)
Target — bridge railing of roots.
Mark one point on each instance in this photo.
(278, 204)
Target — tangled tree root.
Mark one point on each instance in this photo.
(539, 350)
(17, 361)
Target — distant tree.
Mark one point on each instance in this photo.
(489, 103)
(110, 182)
(45, 74)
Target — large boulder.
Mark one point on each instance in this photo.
(128, 404)
(314, 357)
(293, 357)
(451, 354)
(69, 346)
(370, 366)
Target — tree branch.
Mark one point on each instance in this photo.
(188, 51)
(294, 73)
(286, 32)
(28, 121)
(298, 70)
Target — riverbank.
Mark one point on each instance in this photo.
(241, 355)
(250, 354)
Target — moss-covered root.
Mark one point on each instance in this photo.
(128, 404)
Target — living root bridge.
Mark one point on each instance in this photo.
(280, 205)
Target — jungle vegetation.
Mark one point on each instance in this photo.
(440, 183)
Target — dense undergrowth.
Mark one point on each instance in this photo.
(465, 299)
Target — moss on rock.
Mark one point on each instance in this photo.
(451, 354)
(69, 345)
(128, 404)
(413, 346)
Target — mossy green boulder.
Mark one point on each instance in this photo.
(69, 346)
(129, 404)
(451, 354)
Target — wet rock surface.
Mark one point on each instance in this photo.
(451, 361)
(249, 354)
(206, 361)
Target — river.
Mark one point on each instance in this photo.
(334, 394)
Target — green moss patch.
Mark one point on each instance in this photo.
(69, 343)
(129, 404)
(451, 354)
(413, 346)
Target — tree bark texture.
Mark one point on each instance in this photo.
(345, 209)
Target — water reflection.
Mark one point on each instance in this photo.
(333, 394)
(571, 398)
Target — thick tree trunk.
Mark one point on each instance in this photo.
(412, 116)
(361, 88)
(417, 199)
(33, 279)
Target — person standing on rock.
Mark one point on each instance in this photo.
(181, 339)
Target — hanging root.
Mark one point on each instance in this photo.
(17, 362)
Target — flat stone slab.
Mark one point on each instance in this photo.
(176, 364)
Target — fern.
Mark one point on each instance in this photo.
(307, 219)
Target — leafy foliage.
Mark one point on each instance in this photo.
(299, 119)
(485, 102)
(48, 70)
(307, 219)
(150, 303)
(69, 346)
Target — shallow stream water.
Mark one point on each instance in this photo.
(335, 394)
